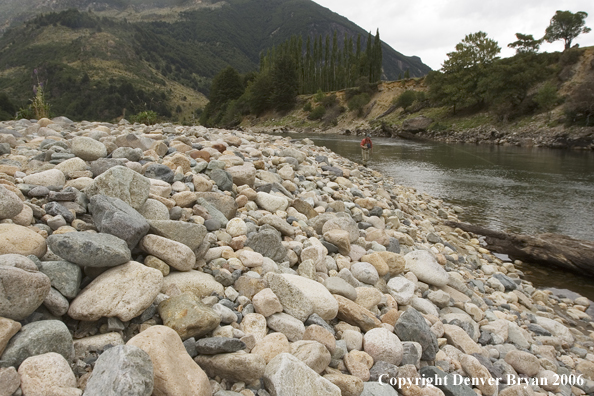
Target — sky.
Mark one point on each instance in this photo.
(432, 28)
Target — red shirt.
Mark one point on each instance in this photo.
(366, 141)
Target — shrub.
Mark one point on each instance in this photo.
(145, 117)
(319, 96)
(405, 99)
(357, 102)
(317, 113)
(307, 107)
(329, 101)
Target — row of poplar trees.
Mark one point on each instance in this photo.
(328, 65)
(290, 69)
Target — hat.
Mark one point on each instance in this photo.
(368, 135)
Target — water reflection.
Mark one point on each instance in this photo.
(523, 190)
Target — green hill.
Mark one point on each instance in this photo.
(98, 59)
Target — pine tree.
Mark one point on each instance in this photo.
(376, 71)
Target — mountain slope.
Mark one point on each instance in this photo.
(160, 47)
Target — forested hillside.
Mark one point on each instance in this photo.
(155, 55)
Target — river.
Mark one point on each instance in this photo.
(514, 189)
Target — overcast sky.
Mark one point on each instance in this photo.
(432, 28)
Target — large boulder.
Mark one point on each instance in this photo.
(411, 326)
(123, 183)
(426, 268)
(87, 148)
(90, 249)
(38, 338)
(124, 292)
(114, 216)
(121, 370)
(189, 234)
(417, 124)
(286, 375)
(10, 204)
(52, 177)
(297, 294)
(22, 291)
(188, 316)
(175, 373)
(49, 375)
(16, 239)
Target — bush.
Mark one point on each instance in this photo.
(357, 102)
(405, 99)
(329, 101)
(317, 113)
(307, 107)
(145, 117)
(319, 96)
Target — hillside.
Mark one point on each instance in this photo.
(168, 49)
(422, 120)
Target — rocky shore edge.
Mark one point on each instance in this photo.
(177, 260)
(577, 138)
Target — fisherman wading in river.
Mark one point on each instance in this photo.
(366, 148)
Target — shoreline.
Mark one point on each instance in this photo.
(578, 138)
(288, 262)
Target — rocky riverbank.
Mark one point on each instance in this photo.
(173, 260)
(559, 138)
(577, 138)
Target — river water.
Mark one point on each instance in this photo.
(514, 189)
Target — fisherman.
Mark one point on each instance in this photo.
(366, 148)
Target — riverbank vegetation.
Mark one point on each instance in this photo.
(316, 66)
(474, 89)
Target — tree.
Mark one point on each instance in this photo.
(566, 26)
(406, 99)
(285, 82)
(525, 44)
(464, 70)
(476, 49)
(259, 93)
(226, 86)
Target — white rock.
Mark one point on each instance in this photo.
(271, 202)
(52, 177)
(401, 289)
(49, 375)
(424, 266)
(286, 375)
(382, 344)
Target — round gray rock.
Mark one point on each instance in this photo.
(123, 183)
(268, 243)
(365, 272)
(90, 250)
(65, 276)
(122, 370)
(38, 338)
(114, 216)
